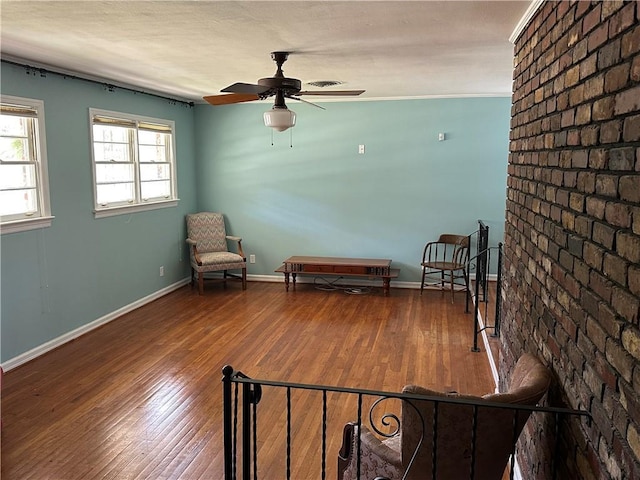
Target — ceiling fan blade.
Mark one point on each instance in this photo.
(246, 88)
(329, 93)
(305, 101)
(230, 98)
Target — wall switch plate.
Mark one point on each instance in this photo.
(360, 148)
(252, 259)
(162, 271)
(441, 137)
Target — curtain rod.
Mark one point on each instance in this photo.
(108, 86)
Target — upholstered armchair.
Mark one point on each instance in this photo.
(447, 257)
(207, 239)
(497, 430)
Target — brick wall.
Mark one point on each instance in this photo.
(571, 277)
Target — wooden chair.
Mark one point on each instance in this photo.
(449, 254)
(207, 239)
(410, 453)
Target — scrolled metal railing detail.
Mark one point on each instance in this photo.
(392, 420)
(386, 420)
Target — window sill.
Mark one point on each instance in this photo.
(25, 224)
(127, 209)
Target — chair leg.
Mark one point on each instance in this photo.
(466, 290)
(201, 283)
(244, 278)
(424, 272)
(452, 299)
(442, 282)
(192, 274)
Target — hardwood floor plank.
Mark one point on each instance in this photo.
(141, 397)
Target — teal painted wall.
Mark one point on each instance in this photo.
(320, 197)
(57, 279)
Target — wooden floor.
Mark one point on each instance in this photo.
(141, 396)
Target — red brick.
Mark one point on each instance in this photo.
(634, 279)
(603, 108)
(621, 20)
(619, 359)
(616, 78)
(627, 101)
(607, 185)
(610, 132)
(630, 188)
(628, 246)
(630, 42)
(635, 69)
(598, 36)
(625, 304)
(615, 268)
(609, 55)
(619, 215)
(594, 87)
(631, 132)
(591, 20)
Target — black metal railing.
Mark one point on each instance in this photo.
(485, 257)
(242, 395)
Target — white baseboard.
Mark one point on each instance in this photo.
(67, 337)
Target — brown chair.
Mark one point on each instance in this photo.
(497, 430)
(450, 254)
(207, 239)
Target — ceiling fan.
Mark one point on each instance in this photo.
(279, 117)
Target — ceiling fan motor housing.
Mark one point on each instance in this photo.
(290, 85)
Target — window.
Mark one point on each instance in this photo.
(133, 163)
(24, 183)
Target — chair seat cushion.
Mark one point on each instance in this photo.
(218, 261)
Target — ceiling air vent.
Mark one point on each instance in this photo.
(325, 83)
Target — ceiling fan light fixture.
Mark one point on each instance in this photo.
(280, 118)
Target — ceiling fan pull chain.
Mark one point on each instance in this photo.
(290, 138)
(272, 138)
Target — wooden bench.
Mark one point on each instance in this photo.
(338, 266)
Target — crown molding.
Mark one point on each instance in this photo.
(526, 18)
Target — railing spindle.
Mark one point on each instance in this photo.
(474, 432)
(434, 450)
(324, 434)
(556, 453)
(514, 439)
(246, 432)
(255, 439)
(227, 421)
(288, 433)
(359, 439)
(235, 431)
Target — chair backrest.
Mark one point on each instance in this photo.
(207, 229)
(449, 248)
(497, 429)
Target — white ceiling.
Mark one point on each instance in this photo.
(188, 49)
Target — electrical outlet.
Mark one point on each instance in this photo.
(360, 149)
(162, 270)
(252, 259)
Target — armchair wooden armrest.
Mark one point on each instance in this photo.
(233, 238)
(194, 247)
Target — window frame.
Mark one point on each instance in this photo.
(136, 123)
(37, 139)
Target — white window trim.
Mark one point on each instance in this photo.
(45, 219)
(102, 212)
